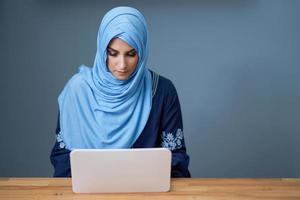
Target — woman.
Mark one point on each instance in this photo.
(119, 102)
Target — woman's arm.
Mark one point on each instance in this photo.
(60, 156)
(172, 136)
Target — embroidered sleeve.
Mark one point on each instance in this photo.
(60, 155)
(172, 136)
(172, 129)
(60, 141)
(173, 140)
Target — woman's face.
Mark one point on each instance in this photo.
(121, 59)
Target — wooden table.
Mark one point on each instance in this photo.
(194, 188)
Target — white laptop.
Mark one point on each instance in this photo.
(121, 170)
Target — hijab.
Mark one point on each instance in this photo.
(96, 110)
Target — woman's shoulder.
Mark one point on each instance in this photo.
(161, 81)
(77, 80)
(162, 84)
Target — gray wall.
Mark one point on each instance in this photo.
(235, 64)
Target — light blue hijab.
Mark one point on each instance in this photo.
(96, 109)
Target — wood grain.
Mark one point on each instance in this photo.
(194, 188)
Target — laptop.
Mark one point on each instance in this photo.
(120, 170)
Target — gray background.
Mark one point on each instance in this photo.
(234, 63)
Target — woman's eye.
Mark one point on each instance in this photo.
(110, 53)
(131, 54)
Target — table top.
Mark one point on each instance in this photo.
(184, 188)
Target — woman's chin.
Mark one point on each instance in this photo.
(121, 77)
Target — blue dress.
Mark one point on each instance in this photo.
(164, 128)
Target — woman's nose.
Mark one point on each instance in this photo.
(122, 63)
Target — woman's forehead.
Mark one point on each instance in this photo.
(119, 44)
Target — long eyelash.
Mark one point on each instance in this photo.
(132, 54)
(111, 53)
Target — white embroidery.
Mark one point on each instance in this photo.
(60, 141)
(172, 141)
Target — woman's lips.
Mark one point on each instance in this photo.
(122, 72)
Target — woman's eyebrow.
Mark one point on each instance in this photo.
(109, 48)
